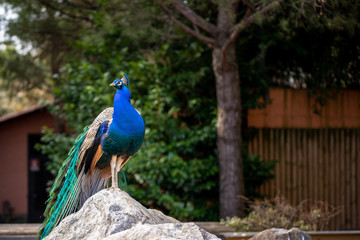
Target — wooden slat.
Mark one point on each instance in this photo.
(294, 168)
(255, 152)
(288, 165)
(337, 178)
(321, 168)
(354, 188)
(282, 162)
(347, 185)
(214, 227)
(277, 158)
(267, 154)
(332, 176)
(18, 229)
(306, 181)
(261, 148)
(315, 169)
(250, 149)
(314, 164)
(358, 173)
(311, 165)
(261, 153)
(342, 177)
(326, 164)
(271, 157)
(255, 144)
(300, 164)
(263, 157)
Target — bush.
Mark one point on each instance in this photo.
(256, 173)
(280, 214)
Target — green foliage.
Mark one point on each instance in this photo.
(20, 72)
(256, 173)
(280, 214)
(22, 80)
(48, 30)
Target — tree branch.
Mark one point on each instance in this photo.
(207, 40)
(250, 8)
(50, 6)
(83, 5)
(247, 21)
(194, 18)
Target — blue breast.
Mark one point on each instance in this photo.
(126, 131)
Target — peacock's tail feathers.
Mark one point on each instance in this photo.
(64, 194)
(73, 185)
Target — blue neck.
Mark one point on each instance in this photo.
(124, 112)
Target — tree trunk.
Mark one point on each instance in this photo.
(229, 132)
(226, 72)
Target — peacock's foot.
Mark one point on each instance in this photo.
(115, 188)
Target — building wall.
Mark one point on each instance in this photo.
(14, 157)
(318, 155)
(291, 108)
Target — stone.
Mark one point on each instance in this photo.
(180, 231)
(113, 214)
(281, 234)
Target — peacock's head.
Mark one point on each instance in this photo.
(119, 83)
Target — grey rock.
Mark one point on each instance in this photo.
(112, 214)
(281, 234)
(181, 231)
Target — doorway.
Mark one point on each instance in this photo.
(38, 179)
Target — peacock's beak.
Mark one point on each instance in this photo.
(112, 84)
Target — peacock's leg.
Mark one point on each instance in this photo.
(118, 167)
(113, 172)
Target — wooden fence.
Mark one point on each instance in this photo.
(314, 164)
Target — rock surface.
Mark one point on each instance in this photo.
(163, 231)
(112, 215)
(281, 234)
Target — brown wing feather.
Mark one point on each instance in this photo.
(95, 159)
(105, 173)
(105, 115)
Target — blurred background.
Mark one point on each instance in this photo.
(298, 67)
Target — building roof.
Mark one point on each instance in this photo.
(14, 115)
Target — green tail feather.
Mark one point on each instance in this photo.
(63, 195)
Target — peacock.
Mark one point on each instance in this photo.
(99, 153)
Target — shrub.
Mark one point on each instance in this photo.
(280, 214)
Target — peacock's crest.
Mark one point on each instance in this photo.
(125, 80)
